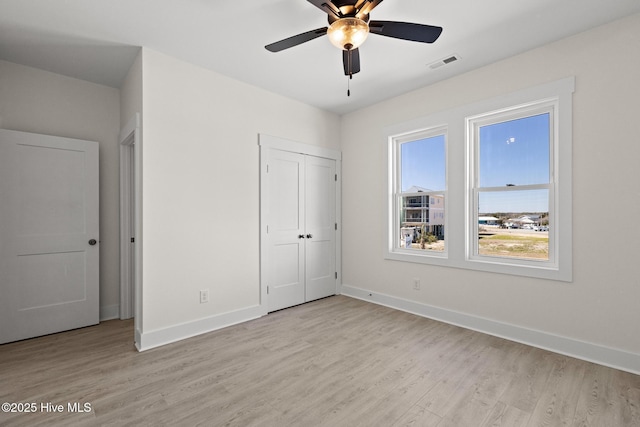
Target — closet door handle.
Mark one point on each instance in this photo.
(300, 236)
(309, 236)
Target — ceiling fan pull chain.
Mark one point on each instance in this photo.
(349, 84)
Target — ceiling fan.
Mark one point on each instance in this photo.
(349, 26)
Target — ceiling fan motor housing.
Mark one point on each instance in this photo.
(347, 9)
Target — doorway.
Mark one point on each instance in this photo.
(130, 220)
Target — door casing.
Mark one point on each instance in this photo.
(131, 222)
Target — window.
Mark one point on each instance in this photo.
(419, 192)
(494, 177)
(512, 184)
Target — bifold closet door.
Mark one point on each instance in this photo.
(301, 228)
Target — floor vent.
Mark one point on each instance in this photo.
(444, 61)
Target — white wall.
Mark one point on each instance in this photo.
(601, 305)
(201, 189)
(37, 101)
(131, 92)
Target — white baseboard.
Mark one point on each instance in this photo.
(601, 355)
(109, 312)
(159, 337)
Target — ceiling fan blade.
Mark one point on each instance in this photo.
(327, 7)
(296, 40)
(366, 7)
(351, 61)
(406, 31)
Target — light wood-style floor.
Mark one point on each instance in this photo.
(333, 362)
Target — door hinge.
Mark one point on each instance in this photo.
(336, 225)
(133, 240)
(336, 275)
(336, 177)
(267, 290)
(267, 168)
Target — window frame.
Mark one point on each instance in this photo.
(472, 126)
(394, 250)
(459, 203)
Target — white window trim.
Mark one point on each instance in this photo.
(457, 201)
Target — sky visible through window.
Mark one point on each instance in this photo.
(511, 153)
(423, 163)
(515, 153)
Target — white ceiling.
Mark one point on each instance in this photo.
(97, 40)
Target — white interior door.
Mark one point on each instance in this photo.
(285, 229)
(49, 232)
(301, 228)
(320, 227)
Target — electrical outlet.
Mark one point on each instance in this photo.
(204, 296)
(416, 283)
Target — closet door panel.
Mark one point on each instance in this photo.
(320, 226)
(286, 279)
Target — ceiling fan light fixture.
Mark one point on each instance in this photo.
(348, 33)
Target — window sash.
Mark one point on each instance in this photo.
(399, 208)
(474, 246)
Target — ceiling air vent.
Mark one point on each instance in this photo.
(444, 61)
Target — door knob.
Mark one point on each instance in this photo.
(93, 242)
(309, 236)
(300, 236)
